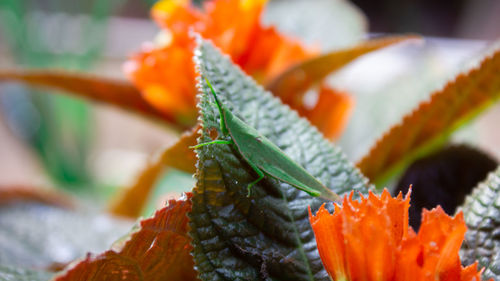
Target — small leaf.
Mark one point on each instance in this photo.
(482, 216)
(132, 200)
(433, 121)
(10, 273)
(159, 250)
(267, 235)
(115, 92)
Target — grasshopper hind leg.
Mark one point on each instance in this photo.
(261, 176)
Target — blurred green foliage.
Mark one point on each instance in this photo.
(55, 34)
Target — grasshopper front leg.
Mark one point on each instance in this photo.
(212, 142)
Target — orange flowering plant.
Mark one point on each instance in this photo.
(219, 232)
(165, 73)
(369, 239)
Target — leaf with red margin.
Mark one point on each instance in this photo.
(115, 92)
(333, 108)
(291, 85)
(159, 250)
(132, 200)
(433, 121)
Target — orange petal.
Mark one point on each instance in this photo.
(165, 74)
(331, 112)
(177, 16)
(166, 79)
(441, 237)
(369, 240)
(328, 232)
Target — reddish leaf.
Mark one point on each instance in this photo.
(133, 199)
(119, 93)
(291, 84)
(432, 122)
(332, 110)
(159, 250)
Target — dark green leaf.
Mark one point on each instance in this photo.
(35, 235)
(482, 216)
(267, 235)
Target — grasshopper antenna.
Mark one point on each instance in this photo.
(219, 106)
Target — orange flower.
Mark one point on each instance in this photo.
(234, 26)
(165, 73)
(369, 240)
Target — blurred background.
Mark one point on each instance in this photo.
(57, 140)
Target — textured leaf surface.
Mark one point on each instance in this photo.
(482, 216)
(115, 92)
(434, 120)
(266, 235)
(133, 199)
(34, 235)
(8, 273)
(159, 250)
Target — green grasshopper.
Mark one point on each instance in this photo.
(263, 156)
